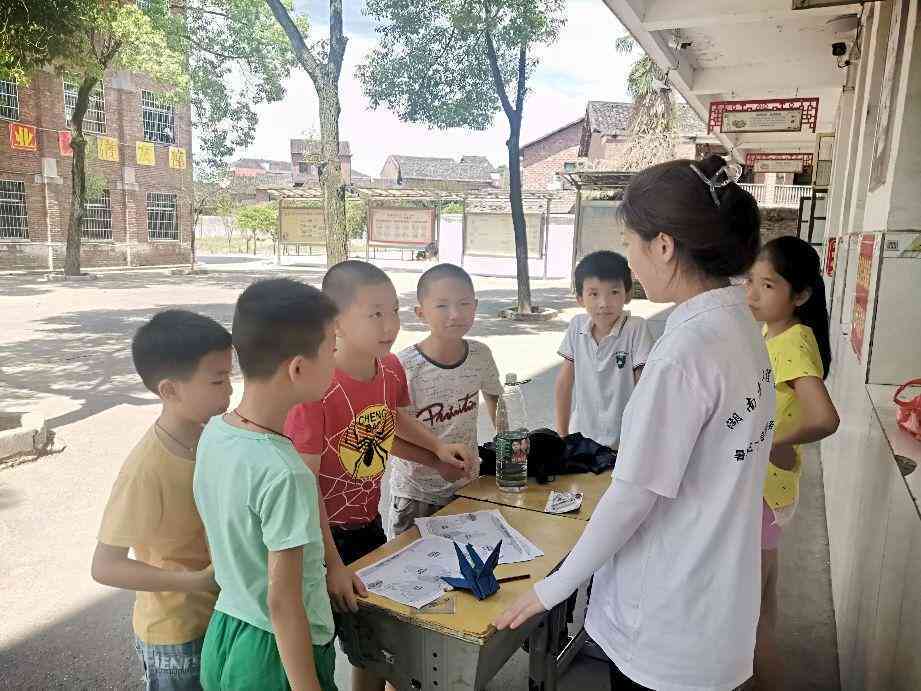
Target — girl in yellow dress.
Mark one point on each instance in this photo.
(787, 293)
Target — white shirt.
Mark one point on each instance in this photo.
(604, 374)
(446, 399)
(677, 606)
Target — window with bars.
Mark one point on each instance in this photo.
(95, 118)
(14, 221)
(97, 218)
(9, 100)
(159, 119)
(162, 216)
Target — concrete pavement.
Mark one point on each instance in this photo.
(64, 350)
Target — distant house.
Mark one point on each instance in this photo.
(304, 162)
(600, 134)
(255, 167)
(469, 173)
(250, 176)
(359, 178)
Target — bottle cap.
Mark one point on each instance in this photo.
(511, 379)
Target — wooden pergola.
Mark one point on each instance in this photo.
(295, 197)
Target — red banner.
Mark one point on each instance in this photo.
(23, 137)
(862, 293)
(64, 143)
(809, 107)
(831, 256)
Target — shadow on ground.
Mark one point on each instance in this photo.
(85, 356)
(87, 649)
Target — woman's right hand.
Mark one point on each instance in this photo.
(524, 608)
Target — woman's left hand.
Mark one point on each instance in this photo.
(525, 607)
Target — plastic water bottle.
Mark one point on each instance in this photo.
(512, 444)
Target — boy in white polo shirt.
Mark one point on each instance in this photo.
(603, 352)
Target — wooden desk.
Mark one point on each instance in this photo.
(463, 650)
(534, 498)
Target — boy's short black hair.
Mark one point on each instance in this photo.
(172, 343)
(277, 319)
(604, 265)
(344, 279)
(438, 272)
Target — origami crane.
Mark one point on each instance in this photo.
(478, 577)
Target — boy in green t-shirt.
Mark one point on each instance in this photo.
(273, 626)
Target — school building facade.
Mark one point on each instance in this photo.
(831, 91)
(138, 149)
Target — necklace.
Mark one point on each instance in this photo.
(247, 421)
(190, 449)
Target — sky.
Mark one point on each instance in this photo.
(581, 66)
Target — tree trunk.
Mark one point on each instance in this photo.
(518, 220)
(78, 179)
(337, 241)
(325, 77)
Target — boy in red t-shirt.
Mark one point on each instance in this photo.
(346, 438)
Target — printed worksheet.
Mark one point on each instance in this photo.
(483, 530)
(412, 576)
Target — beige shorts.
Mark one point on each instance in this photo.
(404, 512)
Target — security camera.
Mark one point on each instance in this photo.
(838, 49)
(678, 43)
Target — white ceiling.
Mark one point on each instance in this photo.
(744, 49)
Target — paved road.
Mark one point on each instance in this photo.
(64, 350)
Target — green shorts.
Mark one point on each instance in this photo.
(237, 655)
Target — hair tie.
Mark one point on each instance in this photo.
(729, 172)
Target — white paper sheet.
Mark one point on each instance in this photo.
(412, 576)
(563, 502)
(483, 530)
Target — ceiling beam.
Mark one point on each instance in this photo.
(760, 81)
(662, 15)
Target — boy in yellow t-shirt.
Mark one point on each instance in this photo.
(184, 358)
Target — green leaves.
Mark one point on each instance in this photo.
(431, 64)
(258, 218)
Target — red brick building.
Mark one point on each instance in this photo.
(599, 135)
(139, 146)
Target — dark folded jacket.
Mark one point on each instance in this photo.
(552, 455)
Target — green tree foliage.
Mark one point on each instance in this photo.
(238, 58)
(356, 219)
(258, 220)
(456, 63)
(35, 33)
(654, 120)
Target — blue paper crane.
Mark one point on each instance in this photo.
(478, 577)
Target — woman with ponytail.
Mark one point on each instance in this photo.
(787, 293)
(675, 542)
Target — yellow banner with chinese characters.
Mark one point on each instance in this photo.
(177, 157)
(107, 148)
(23, 137)
(145, 154)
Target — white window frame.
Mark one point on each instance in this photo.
(9, 99)
(95, 118)
(154, 111)
(14, 211)
(157, 229)
(97, 219)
